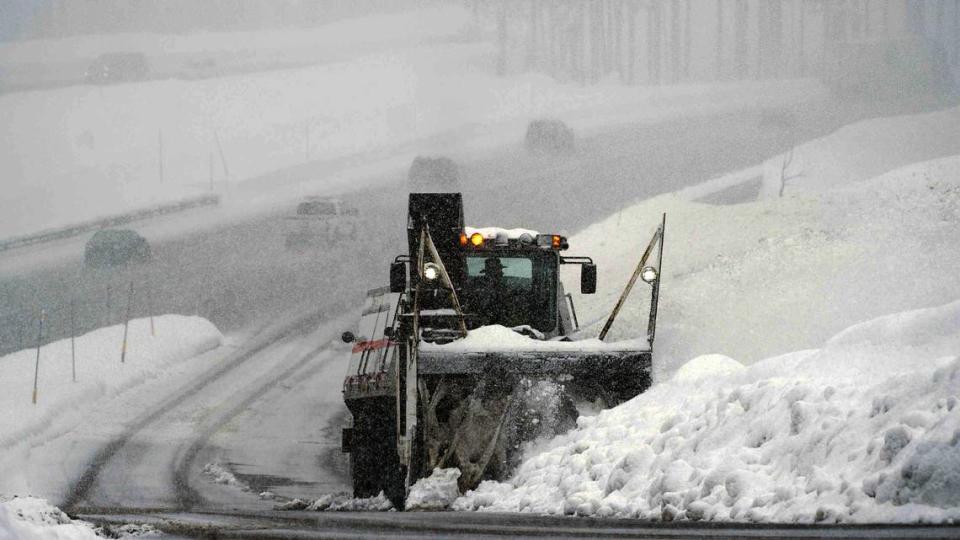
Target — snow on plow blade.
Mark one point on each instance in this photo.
(621, 369)
(547, 363)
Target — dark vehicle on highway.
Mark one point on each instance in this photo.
(116, 247)
(436, 174)
(547, 136)
(118, 67)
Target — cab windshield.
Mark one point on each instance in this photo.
(512, 289)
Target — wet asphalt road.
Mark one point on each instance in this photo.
(313, 525)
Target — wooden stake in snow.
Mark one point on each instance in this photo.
(36, 369)
(160, 153)
(153, 332)
(109, 308)
(73, 334)
(126, 326)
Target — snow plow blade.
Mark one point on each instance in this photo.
(615, 375)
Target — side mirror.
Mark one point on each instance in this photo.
(348, 337)
(588, 278)
(398, 277)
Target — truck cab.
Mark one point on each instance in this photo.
(512, 279)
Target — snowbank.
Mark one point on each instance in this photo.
(762, 278)
(30, 518)
(93, 400)
(99, 371)
(864, 150)
(866, 429)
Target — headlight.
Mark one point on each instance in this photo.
(431, 271)
(648, 274)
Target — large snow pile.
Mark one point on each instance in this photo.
(30, 518)
(62, 404)
(865, 429)
(762, 278)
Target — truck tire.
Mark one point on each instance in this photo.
(374, 463)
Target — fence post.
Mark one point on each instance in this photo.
(150, 309)
(36, 369)
(107, 322)
(126, 326)
(73, 334)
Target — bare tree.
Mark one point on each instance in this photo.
(654, 33)
(502, 39)
(719, 39)
(741, 16)
(675, 43)
(632, 42)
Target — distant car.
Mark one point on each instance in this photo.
(433, 175)
(118, 67)
(548, 136)
(321, 220)
(116, 247)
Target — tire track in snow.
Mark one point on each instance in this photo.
(187, 497)
(266, 337)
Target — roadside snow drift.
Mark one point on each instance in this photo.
(23, 518)
(865, 429)
(98, 404)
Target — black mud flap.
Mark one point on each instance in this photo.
(346, 440)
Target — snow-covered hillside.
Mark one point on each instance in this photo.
(806, 362)
(763, 278)
(80, 152)
(864, 150)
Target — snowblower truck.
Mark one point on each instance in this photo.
(475, 349)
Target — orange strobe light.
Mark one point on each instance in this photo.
(463, 239)
(556, 241)
(476, 239)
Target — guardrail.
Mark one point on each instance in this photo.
(70, 231)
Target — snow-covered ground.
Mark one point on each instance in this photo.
(23, 518)
(277, 46)
(80, 152)
(864, 150)
(864, 429)
(45, 445)
(806, 361)
(782, 274)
